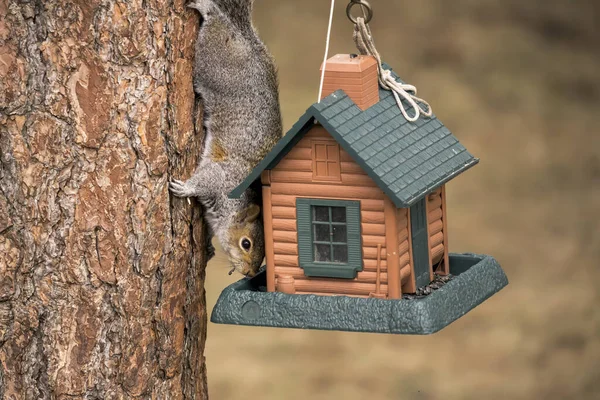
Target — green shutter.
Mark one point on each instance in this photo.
(305, 240)
(354, 238)
(305, 247)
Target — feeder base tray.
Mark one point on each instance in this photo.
(476, 278)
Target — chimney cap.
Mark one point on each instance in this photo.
(349, 63)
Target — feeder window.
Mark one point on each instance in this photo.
(329, 241)
(326, 160)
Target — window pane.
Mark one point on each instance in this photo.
(339, 233)
(333, 169)
(338, 214)
(321, 168)
(340, 254)
(333, 152)
(321, 213)
(322, 233)
(322, 253)
(321, 150)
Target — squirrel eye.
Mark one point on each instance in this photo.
(246, 244)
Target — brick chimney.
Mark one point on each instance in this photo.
(355, 75)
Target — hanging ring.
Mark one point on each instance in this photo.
(364, 5)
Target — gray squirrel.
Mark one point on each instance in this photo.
(237, 80)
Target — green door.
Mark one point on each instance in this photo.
(418, 220)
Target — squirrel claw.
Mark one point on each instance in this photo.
(179, 189)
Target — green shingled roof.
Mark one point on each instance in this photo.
(407, 160)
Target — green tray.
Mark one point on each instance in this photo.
(476, 278)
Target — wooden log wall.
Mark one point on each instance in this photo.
(293, 178)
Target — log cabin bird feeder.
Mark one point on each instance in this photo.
(354, 209)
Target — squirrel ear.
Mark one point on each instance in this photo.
(252, 213)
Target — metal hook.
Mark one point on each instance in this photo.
(364, 5)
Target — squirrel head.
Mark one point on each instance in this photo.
(246, 247)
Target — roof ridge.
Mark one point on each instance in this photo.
(331, 96)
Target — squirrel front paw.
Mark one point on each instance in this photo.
(181, 189)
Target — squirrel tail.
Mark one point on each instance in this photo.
(238, 11)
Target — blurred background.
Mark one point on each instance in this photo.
(518, 82)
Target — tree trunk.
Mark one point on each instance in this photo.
(101, 272)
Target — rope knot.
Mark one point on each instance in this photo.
(386, 74)
(365, 44)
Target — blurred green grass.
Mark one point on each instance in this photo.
(519, 84)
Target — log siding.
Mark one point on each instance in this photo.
(292, 178)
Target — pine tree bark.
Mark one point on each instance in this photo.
(101, 272)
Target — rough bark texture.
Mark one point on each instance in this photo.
(101, 272)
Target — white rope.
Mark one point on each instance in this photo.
(326, 50)
(364, 42)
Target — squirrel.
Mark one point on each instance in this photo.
(236, 78)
